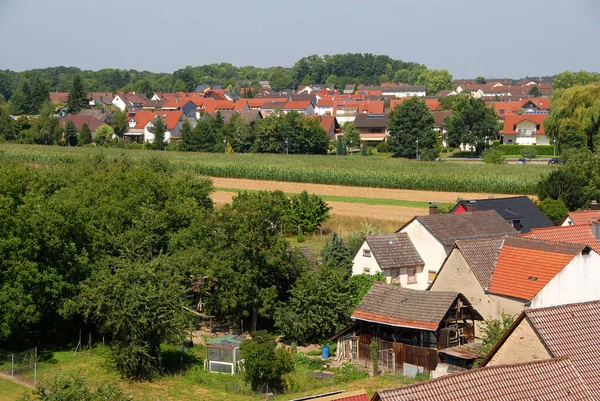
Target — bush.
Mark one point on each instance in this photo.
(529, 152)
(301, 361)
(541, 150)
(554, 209)
(493, 156)
(264, 362)
(348, 373)
(383, 147)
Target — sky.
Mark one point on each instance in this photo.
(508, 38)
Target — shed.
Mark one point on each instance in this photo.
(223, 354)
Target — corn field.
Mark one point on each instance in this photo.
(359, 171)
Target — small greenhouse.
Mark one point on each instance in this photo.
(223, 354)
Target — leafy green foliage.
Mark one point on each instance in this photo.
(567, 79)
(408, 123)
(307, 213)
(45, 129)
(574, 118)
(85, 136)
(355, 237)
(471, 122)
(480, 80)
(340, 149)
(529, 152)
(351, 134)
(575, 183)
(554, 209)
(494, 330)
(159, 129)
(103, 133)
(336, 253)
(119, 122)
(70, 133)
(139, 306)
(75, 388)
(77, 99)
(492, 156)
(374, 350)
(7, 129)
(361, 284)
(436, 80)
(265, 363)
(348, 373)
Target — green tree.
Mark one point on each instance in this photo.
(363, 149)
(119, 122)
(340, 147)
(151, 293)
(408, 123)
(158, 128)
(145, 86)
(185, 135)
(45, 129)
(535, 91)
(179, 86)
(355, 237)
(568, 79)
(529, 152)
(7, 130)
(351, 134)
(265, 364)
(336, 254)
(471, 123)
(494, 330)
(319, 305)
(71, 388)
(480, 80)
(360, 284)
(77, 98)
(103, 133)
(575, 183)
(436, 80)
(70, 133)
(554, 209)
(40, 94)
(307, 212)
(20, 100)
(85, 136)
(239, 133)
(493, 156)
(575, 112)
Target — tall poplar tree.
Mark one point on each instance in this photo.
(77, 99)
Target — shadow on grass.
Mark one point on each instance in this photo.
(176, 361)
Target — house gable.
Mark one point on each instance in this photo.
(522, 345)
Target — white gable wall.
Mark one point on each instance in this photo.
(362, 264)
(578, 281)
(431, 250)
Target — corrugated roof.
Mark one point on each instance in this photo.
(549, 380)
(394, 251)
(572, 330)
(577, 234)
(448, 228)
(403, 307)
(481, 255)
(525, 266)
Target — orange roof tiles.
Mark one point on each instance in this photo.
(576, 234)
(511, 121)
(299, 105)
(142, 118)
(523, 269)
(584, 216)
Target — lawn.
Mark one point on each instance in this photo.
(190, 383)
(383, 172)
(10, 391)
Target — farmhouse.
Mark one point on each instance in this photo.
(409, 327)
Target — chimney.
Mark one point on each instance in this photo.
(594, 205)
(433, 208)
(472, 206)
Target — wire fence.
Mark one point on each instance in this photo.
(21, 366)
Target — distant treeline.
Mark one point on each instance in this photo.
(338, 69)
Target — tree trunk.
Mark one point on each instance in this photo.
(254, 319)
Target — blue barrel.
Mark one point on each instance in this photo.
(325, 352)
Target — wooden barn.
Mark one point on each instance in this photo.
(409, 326)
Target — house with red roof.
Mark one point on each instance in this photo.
(358, 395)
(140, 123)
(508, 274)
(526, 129)
(180, 104)
(303, 107)
(583, 216)
(92, 122)
(582, 233)
(129, 101)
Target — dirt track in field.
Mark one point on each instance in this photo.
(396, 213)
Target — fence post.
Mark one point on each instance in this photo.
(12, 365)
(35, 367)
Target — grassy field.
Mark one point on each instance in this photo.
(190, 383)
(10, 391)
(349, 170)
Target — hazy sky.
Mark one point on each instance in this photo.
(508, 38)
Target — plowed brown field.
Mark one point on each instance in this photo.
(394, 213)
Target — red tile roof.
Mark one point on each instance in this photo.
(584, 216)
(525, 266)
(210, 105)
(358, 395)
(433, 104)
(92, 122)
(576, 234)
(142, 118)
(511, 121)
(176, 102)
(300, 105)
(59, 97)
(548, 380)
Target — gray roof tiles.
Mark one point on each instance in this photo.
(394, 251)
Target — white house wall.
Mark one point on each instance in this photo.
(431, 250)
(576, 282)
(361, 263)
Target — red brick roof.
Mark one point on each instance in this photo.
(512, 120)
(576, 234)
(548, 380)
(210, 105)
(525, 266)
(176, 102)
(358, 395)
(142, 118)
(59, 97)
(584, 216)
(300, 105)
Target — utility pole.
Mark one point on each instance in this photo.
(417, 148)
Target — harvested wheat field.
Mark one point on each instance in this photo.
(340, 190)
